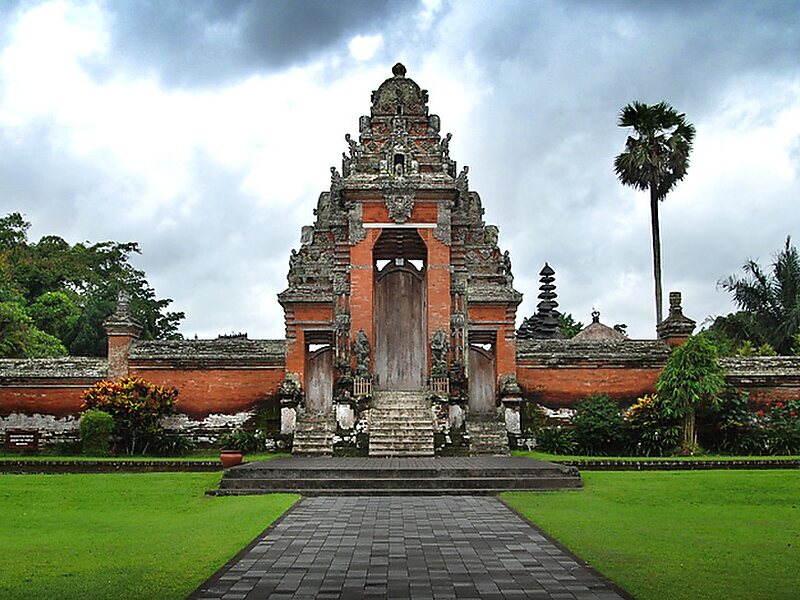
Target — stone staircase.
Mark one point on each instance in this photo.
(313, 435)
(371, 476)
(487, 435)
(400, 424)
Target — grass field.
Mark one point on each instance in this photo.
(681, 535)
(152, 535)
(546, 456)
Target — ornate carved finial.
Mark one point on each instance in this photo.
(122, 319)
(595, 316)
(399, 70)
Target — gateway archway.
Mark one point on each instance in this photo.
(400, 356)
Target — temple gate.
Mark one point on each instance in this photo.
(402, 276)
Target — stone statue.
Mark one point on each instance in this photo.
(439, 348)
(361, 350)
(445, 144)
(353, 145)
(507, 267)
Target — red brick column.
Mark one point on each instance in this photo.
(362, 280)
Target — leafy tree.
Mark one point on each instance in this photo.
(692, 375)
(68, 290)
(655, 159)
(770, 302)
(568, 325)
(20, 338)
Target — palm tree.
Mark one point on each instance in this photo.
(656, 159)
(771, 300)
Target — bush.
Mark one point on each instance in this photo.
(651, 430)
(247, 441)
(136, 407)
(556, 440)
(96, 428)
(598, 425)
(730, 426)
(782, 427)
(173, 443)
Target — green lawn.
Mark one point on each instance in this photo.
(681, 534)
(546, 456)
(150, 535)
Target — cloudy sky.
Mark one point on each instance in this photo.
(205, 131)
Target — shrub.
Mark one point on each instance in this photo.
(556, 440)
(598, 425)
(247, 441)
(96, 428)
(730, 426)
(136, 407)
(533, 418)
(783, 427)
(651, 429)
(173, 443)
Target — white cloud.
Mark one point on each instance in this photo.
(364, 47)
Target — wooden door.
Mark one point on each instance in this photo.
(319, 381)
(400, 354)
(481, 380)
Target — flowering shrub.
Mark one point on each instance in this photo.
(651, 430)
(136, 407)
(781, 422)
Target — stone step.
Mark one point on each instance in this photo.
(497, 483)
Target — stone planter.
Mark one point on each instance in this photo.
(230, 458)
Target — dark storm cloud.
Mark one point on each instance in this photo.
(205, 42)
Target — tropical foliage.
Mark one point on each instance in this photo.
(137, 408)
(54, 295)
(692, 375)
(652, 429)
(655, 159)
(769, 299)
(598, 425)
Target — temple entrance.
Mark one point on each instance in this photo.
(482, 373)
(319, 378)
(400, 355)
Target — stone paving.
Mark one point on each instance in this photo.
(404, 547)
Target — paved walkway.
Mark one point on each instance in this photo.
(403, 547)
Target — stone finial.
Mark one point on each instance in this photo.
(121, 328)
(122, 321)
(595, 316)
(399, 70)
(676, 327)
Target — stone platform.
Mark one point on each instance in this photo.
(392, 476)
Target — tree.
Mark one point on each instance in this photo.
(67, 291)
(692, 375)
(655, 159)
(568, 325)
(770, 302)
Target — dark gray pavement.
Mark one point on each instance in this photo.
(404, 547)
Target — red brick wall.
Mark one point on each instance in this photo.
(216, 390)
(60, 400)
(560, 387)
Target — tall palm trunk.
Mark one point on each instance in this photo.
(656, 250)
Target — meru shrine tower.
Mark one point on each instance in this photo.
(400, 316)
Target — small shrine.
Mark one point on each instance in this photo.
(399, 291)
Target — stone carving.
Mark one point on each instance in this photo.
(361, 349)
(490, 235)
(355, 221)
(439, 349)
(290, 393)
(506, 268)
(400, 206)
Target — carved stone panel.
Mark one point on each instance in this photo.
(400, 206)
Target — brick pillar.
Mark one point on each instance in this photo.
(362, 280)
(122, 329)
(676, 328)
